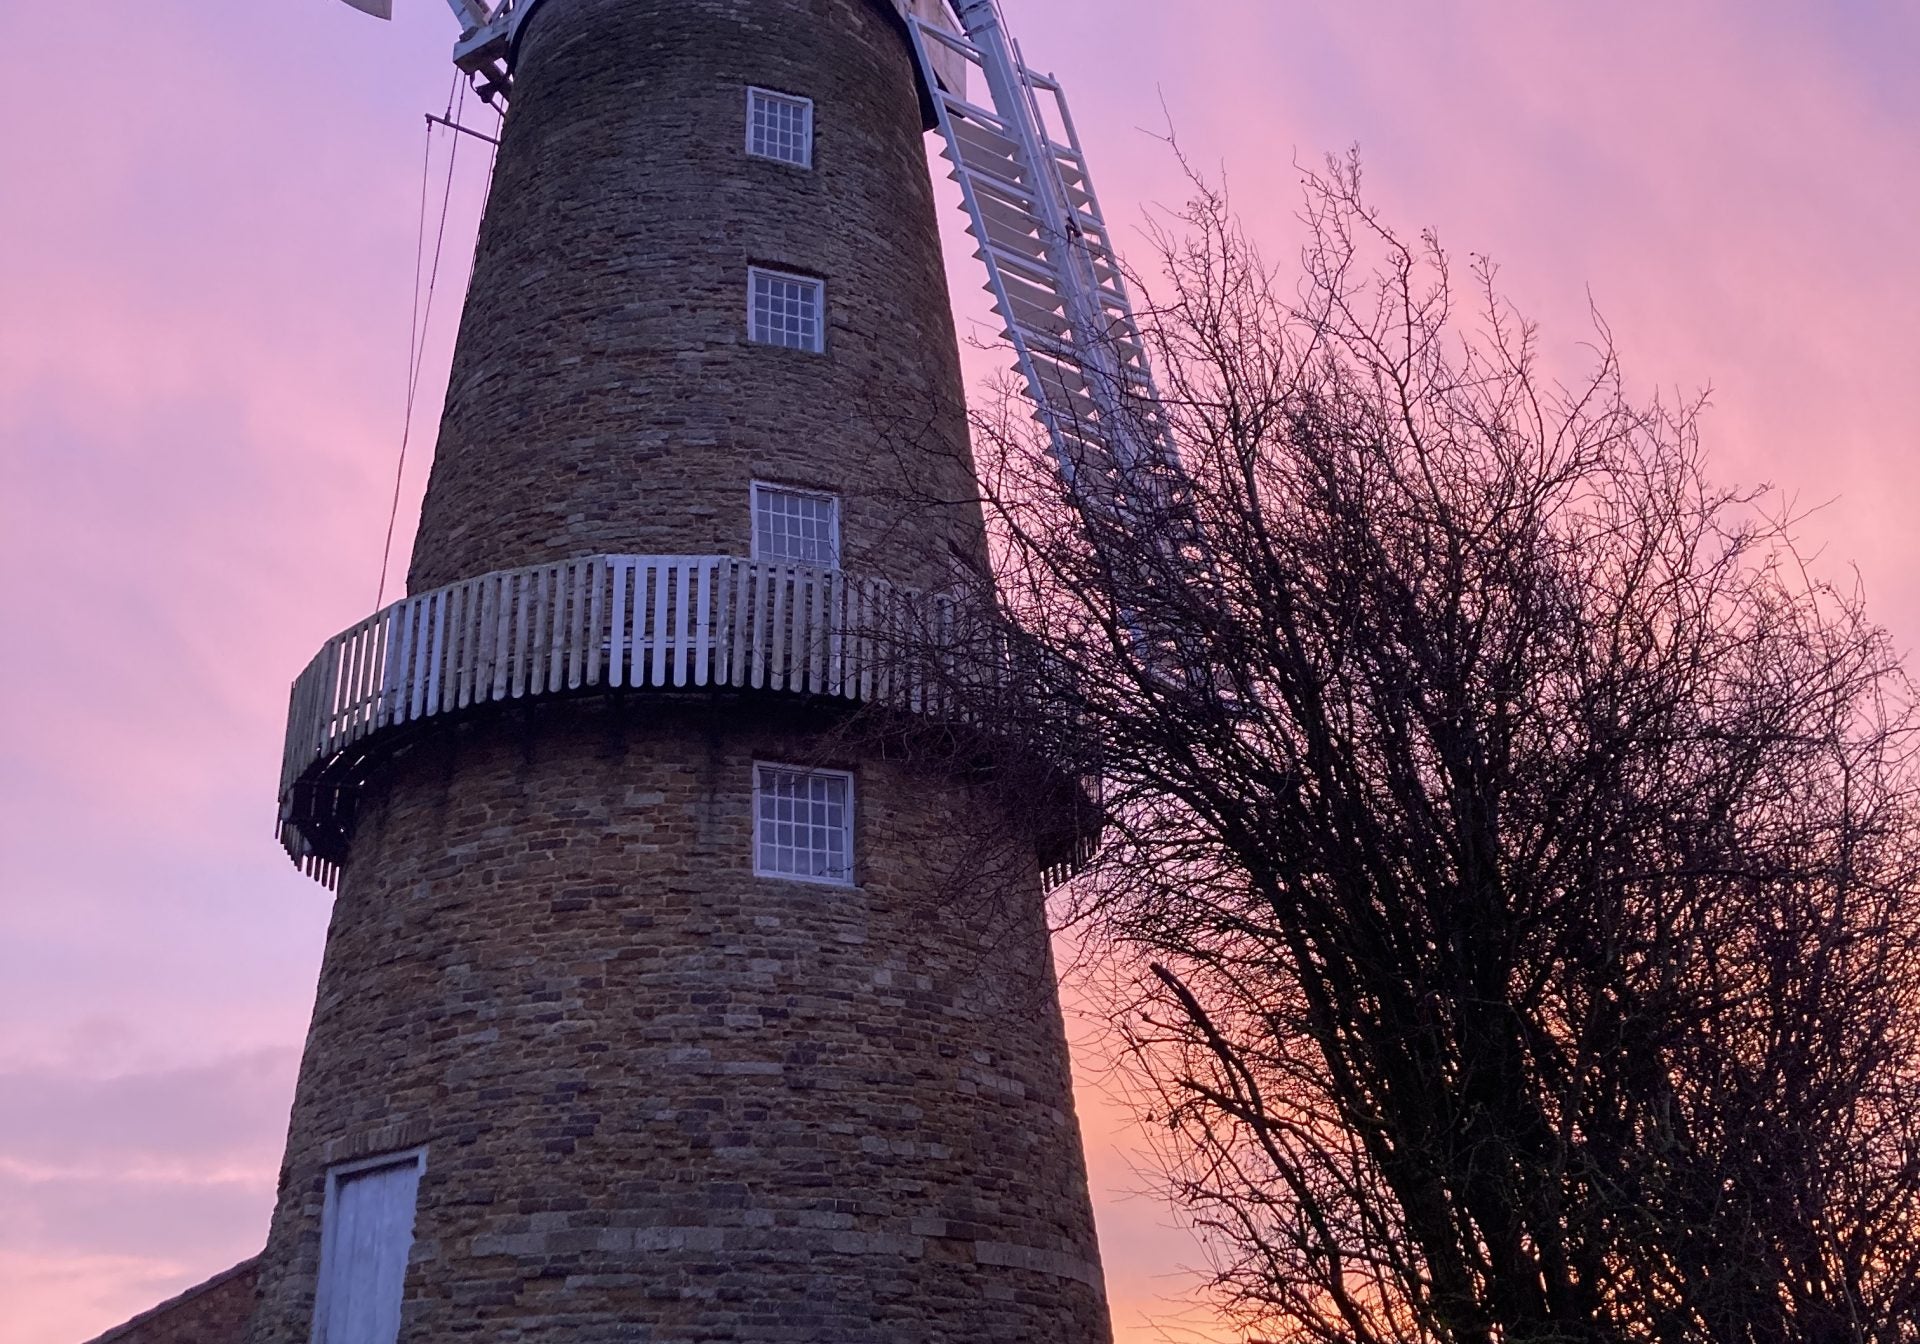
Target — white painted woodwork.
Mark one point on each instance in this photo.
(664, 622)
(801, 526)
(1055, 278)
(803, 824)
(365, 1238)
(780, 127)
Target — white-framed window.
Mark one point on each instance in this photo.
(803, 824)
(780, 126)
(366, 1235)
(785, 309)
(798, 525)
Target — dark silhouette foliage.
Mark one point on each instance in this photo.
(1509, 856)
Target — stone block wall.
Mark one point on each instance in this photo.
(663, 1099)
(604, 395)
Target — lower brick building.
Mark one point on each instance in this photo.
(215, 1312)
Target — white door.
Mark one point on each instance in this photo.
(365, 1241)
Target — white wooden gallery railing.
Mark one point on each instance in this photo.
(605, 621)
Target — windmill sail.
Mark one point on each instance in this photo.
(380, 9)
(1055, 279)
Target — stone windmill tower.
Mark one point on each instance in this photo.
(652, 1008)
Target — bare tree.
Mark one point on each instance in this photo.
(1512, 842)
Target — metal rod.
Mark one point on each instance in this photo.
(464, 130)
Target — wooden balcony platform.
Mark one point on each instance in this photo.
(603, 623)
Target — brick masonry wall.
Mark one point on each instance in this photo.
(604, 396)
(666, 1100)
(214, 1312)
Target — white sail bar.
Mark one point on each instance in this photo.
(1052, 269)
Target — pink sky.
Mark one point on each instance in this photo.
(206, 241)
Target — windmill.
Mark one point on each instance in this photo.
(653, 998)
